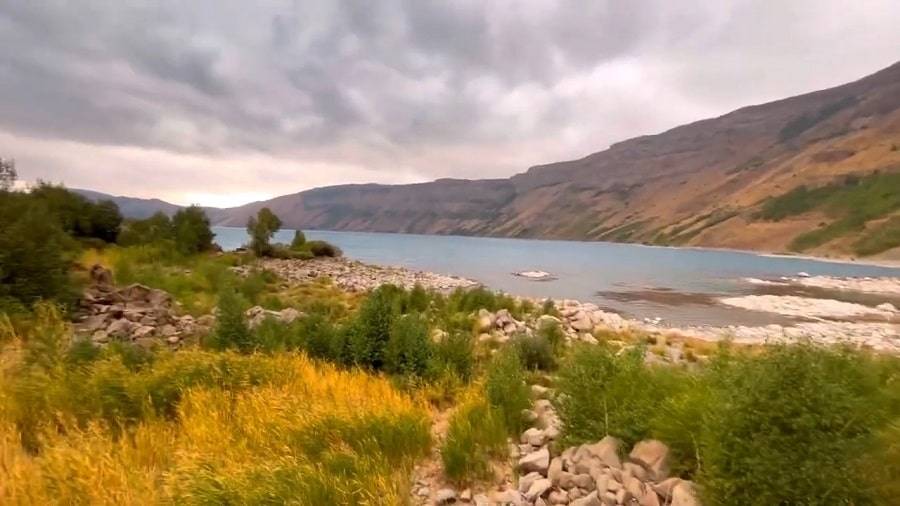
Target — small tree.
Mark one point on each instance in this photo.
(299, 241)
(8, 174)
(231, 327)
(192, 232)
(261, 229)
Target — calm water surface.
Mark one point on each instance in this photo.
(676, 284)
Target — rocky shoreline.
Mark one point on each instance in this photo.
(881, 333)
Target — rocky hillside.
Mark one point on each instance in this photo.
(782, 176)
(700, 184)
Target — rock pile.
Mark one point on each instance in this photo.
(257, 314)
(134, 313)
(592, 474)
(356, 276)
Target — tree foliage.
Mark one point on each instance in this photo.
(192, 232)
(261, 229)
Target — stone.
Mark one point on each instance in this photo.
(289, 315)
(484, 321)
(101, 275)
(552, 432)
(555, 470)
(644, 495)
(534, 437)
(529, 416)
(481, 500)
(558, 497)
(537, 461)
(582, 322)
(173, 339)
(465, 495)
(540, 502)
(424, 492)
(665, 487)
(683, 494)
(526, 481)
(539, 391)
(168, 330)
(608, 498)
(100, 337)
(583, 481)
(120, 328)
(606, 451)
(206, 320)
(508, 497)
(636, 470)
(588, 500)
(538, 488)
(565, 480)
(653, 455)
(445, 496)
(142, 331)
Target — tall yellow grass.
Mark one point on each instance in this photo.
(314, 434)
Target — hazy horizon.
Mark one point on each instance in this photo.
(221, 104)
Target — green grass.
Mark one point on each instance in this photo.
(881, 238)
(476, 436)
(850, 203)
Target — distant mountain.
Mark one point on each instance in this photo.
(132, 207)
(703, 184)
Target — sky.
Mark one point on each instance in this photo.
(222, 102)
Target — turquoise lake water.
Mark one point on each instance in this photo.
(675, 284)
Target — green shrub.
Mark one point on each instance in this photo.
(231, 327)
(506, 390)
(535, 352)
(323, 249)
(791, 426)
(319, 337)
(476, 435)
(602, 393)
(408, 350)
(454, 353)
(299, 241)
(371, 329)
(35, 253)
(78, 216)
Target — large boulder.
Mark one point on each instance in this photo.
(538, 461)
(653, 455)
(683, 494)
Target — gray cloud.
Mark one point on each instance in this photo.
(279, 96)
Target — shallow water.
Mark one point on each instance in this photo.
(675, 284)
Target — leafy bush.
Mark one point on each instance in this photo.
(454, 353)
(475, 436)
(535, 352)
(323, 249)
(299, 241)
(231, 327)
(809, 413)
(78, 216)
(506, 390)
(408, 350)
(371, 330)
(603, 393)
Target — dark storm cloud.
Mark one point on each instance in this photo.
(284, 95)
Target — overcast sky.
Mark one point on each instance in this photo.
(223, 102)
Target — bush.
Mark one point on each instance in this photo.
(231, 327)
(456, 354)
(35, 253)
(408, 350)
(299, 241)
(791, 427)
(535, 352)
(78, 216)
(602, 393)
(476, 435)
(370, 331)
(323, 249)
(506, 390)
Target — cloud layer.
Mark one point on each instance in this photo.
(221, 102)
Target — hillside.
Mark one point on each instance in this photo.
(701, 184)
(133, 207)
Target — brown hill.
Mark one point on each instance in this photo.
(702, 184)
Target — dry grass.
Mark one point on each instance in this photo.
(313, 435)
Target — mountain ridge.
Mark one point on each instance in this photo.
(698, 184)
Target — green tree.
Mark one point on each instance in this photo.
(299, 241)
(231, 327)
(155, 229)
(191, 231)
(35, 253)
(409, 347)
(106, 220)
(261, 229)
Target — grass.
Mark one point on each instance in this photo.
(234, 430)
(850, 203)
(476, 437)
(878, 239)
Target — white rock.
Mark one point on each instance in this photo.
(537, 461)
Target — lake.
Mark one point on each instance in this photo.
(675, 284)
